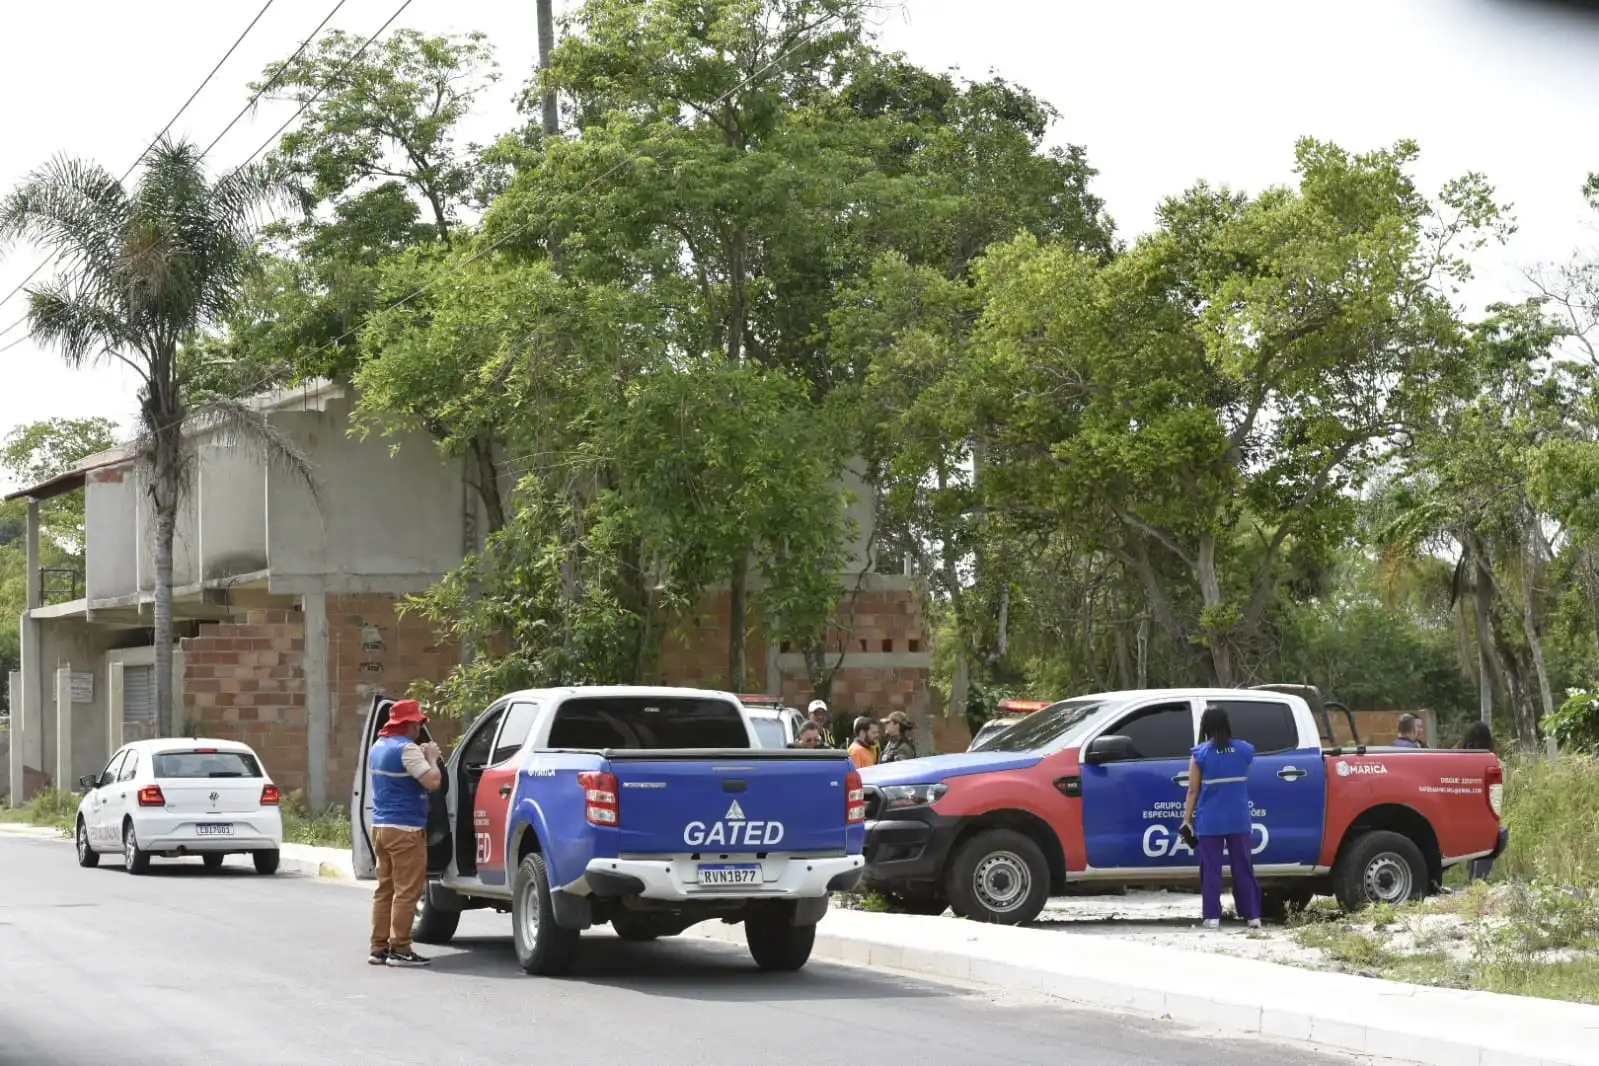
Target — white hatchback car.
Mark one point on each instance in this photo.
(176, 798)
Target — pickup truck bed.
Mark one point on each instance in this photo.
(574, 807)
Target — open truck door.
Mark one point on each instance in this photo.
(362, 853)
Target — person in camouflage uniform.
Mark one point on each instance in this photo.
(899, 743)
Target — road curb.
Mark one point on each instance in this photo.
(1490, 1030)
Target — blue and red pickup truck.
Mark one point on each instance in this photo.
(1090, 791)
(652, 809)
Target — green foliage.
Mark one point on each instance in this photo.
(1576, 724)
(50, 807)
(38, 451)
(325, 829)
(1553, 815)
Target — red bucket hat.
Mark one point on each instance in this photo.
(403, 713)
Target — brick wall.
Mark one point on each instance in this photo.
(373, 651)
(244, 681)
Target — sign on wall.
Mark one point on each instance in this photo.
(82, 687)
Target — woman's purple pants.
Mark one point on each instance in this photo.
(1246, 890)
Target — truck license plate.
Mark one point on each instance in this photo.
(214, 829)
(724, 875)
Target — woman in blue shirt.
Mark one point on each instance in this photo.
(1218, 814)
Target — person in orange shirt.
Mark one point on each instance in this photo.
(863, 752)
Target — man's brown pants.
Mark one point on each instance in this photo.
(402, 856)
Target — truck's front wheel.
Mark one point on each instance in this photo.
(434, 925)
(774, 943)
(542, 947)
(998, 876)
(1379, 867)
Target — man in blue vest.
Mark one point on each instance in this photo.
(403, 773)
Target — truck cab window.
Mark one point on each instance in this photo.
(513, 734)
(475, 752)
(1165, 731)
(1266, 724)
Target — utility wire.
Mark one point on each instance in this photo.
(267, 143)
(153, 142)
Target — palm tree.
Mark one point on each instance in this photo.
(142, 271)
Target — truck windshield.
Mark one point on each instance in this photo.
(769, 731)
(647, 722)
(1044, 728)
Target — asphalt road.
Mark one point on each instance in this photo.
(187, 967)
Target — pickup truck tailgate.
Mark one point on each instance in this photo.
(730, 802)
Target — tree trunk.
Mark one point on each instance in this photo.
(1219, 655)
(1485, 689)
(1529, 621)
(960, 685)
(166, 524)
(487, 473)
(737, 612)
(547, 103)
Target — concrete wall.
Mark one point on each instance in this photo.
(111, 534)
(71, 642)
(391, 519)
(185, 541)
(140, 656)
(232, 492)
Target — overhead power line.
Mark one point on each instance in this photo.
(153, 142)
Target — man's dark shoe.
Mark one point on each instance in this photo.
(406, 958)
(378, 958)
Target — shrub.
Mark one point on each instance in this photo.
(1553, 815)
(329, 829)
(1576, 724)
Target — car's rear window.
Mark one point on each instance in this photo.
(177, 764)
(644, 722)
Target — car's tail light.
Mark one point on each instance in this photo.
(270, 795)
(599, 797)
(205, 751)
(854, 798)
(150, 796)
(1495, 778)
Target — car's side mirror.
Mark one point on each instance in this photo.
(88, 783)
(1102, 750)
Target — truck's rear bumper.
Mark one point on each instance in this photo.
(676, 878)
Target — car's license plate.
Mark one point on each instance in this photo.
(214, 829)
(726, 875)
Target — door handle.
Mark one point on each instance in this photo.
(505, 790)
(1180, 779)
(1291, 773)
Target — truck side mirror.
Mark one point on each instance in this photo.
(1108, 749)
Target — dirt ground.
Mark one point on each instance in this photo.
(1171, 919)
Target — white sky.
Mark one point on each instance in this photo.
(1161, 92)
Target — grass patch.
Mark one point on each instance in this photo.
(50, 807)
(1553, 815)
(330, 829)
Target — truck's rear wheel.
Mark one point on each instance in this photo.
(542, 947)
(774, 943)
(998, 876)
(1379, 867)
(433, 925)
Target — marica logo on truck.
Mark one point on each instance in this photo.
(1347, 768)
(733, 829)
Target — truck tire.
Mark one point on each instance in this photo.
(998, 876)
(542, 947)
(1379, 867)
(774, 943)
(433, 925)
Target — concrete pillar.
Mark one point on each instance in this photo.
(33, 554)
(63, 772)
(15, 762)
(27, 716)
(318, 707)
(113, 706)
